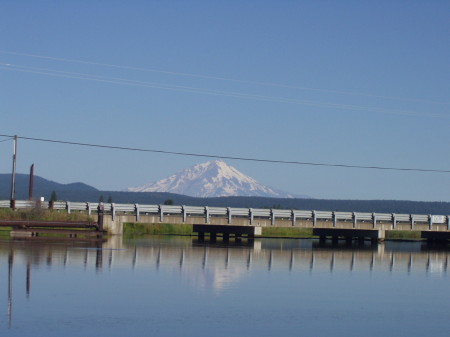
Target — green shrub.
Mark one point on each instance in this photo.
(292, 232)
(156, 229)
(403, 235)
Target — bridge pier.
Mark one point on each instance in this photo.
(213, 237)
(349, 234)
(226, 237)
(226, 231)
(435, 236)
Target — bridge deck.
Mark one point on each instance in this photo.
(117, 214)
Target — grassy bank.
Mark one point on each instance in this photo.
(4, 231)
(42, 215)
(403, 235)
(156, 229)
(37, 214)
(287, 232)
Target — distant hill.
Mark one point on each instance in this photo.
(42, 187)
(83, 192)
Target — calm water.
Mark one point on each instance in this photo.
(175, 286)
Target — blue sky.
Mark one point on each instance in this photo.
(353, 82)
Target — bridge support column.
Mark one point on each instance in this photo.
(138, 213)
(349, 234)
(381, 234)
(226, 231)
(114, 227)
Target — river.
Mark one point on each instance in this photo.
(177, 286)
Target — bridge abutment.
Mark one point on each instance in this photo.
(114, 226)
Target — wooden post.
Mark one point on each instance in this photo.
(100, 215)
(30, 189)
(13, 175)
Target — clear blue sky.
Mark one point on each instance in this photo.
(352, 82)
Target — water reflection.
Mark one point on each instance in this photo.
(10, 266)
(273, 253)
(215, 267)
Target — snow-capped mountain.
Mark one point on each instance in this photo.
(211, 179)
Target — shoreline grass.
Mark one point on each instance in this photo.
(402, 235)
(37, 214)
(287, 232)
(130, 228)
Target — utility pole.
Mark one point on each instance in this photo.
(13, 176)
(30, 189)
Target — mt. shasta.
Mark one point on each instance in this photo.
(211, 179)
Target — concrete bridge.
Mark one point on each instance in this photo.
(216, 220)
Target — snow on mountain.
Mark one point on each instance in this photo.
(211, 179)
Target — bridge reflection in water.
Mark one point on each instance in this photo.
(269, 254)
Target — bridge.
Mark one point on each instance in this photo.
(250, 221)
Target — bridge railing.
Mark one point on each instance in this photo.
(273, 215)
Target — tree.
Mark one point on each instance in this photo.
(110, 200)
(53, 197)
(168, 202)
(100, 199)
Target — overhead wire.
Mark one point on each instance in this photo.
(124, 81)
(156, 85)
(291, 162)
(219, 78)
(5, 140)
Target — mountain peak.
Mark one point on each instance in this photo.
(214, 178)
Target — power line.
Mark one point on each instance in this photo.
(156, 85)
(210, 77)
(228, 157)
(4, 140)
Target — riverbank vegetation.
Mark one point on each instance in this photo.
(37, 214)
(403, 235)
(156, 229)
(286, 232)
